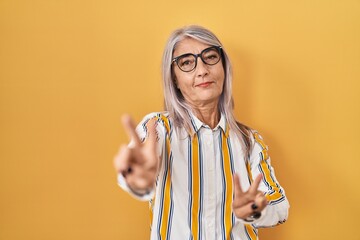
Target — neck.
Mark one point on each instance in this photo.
(208, 114)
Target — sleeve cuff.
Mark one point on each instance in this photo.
(143, 197)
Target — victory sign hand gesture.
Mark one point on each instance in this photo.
(247, 205)
(138, 162)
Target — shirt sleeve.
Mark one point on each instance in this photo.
(142, 131)
(259, 163)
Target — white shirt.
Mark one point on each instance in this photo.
(194, 188)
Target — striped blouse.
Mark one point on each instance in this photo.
(194, 189)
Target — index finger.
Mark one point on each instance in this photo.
(130, 129)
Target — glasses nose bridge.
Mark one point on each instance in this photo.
(199, 55)
(203, 65)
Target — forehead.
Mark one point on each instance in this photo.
(189, 45)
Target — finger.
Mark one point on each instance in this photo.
(255, 185)
(237, 188)
(122, 159)
(243, 211)
(130, 129)
(260, 201)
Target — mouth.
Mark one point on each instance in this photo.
(204, 84)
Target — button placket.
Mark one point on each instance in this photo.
(209, 154)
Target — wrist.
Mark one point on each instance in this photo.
(145, 195)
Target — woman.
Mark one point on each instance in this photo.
(206, 175)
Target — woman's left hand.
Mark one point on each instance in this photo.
(249, 203)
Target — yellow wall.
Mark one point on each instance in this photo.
(69, 69)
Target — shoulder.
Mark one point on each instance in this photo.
(164, 116)
(256, 137)
(254, 134)
(161, 117)
(162, 120)
(259, 145)
(156, 115)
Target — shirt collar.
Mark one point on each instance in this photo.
(197, 124)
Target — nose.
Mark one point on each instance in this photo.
(201, 68)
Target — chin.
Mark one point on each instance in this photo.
(209, 99)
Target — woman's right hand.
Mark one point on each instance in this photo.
(138, 162)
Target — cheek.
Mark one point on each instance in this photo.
(221, 77)
(183, 81)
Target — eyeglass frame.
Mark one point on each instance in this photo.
(218, 48)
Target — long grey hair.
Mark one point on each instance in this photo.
(175, 103)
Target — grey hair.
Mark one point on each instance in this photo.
(175, 103)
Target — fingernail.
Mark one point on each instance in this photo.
(254, 206)
(256, 215)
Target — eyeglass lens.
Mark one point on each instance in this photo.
(187, 62)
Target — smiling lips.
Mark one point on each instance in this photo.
(204, 84)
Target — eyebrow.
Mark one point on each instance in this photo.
(188, 53)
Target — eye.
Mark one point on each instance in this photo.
(186, 61)
(211, 56)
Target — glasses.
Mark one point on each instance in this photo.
(188, 61)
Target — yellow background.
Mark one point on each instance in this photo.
(70, 69)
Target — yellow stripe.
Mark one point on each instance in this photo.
(227, 131)
(267, 172)
(166, 123)
(249, 230)
(166, 208)
(276, 195)
(263, 146)
(229, 186)
(195, 188)
(248, 168)
(167, 198)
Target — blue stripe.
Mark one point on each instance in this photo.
(193, 123)
(273, 202)
(271, 176)
(201, 186)
(231, 155)
(232, 171)
(272, 191)
(170, 129)
(224, 189)
(145, 129)
(162, 199)
(247, 234)
(255, 230)
(171, 204)
(189, 183)
(162, 190)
